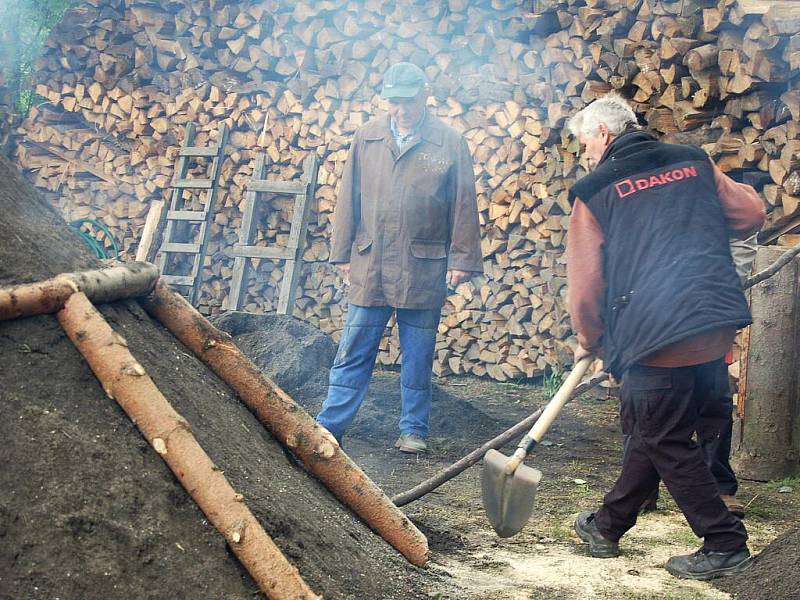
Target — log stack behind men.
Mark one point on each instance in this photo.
(405, 227)
(653, 289)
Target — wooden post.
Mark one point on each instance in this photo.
(155, 217)
(766, 442)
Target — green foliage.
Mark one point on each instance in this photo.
(789, 482)
(551, 381)
(24, 27)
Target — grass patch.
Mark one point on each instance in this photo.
(552, 380)
(561, 532)
(685, 536)
(792, 482)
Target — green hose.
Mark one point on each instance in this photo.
(97, 247)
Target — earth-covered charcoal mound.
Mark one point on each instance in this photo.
(775, 574)
(294, 354)
(298, 357)
(88, 511)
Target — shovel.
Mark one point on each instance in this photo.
(509, 487)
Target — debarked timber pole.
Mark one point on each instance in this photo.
(125, 380)
(288, 422)
(114, 282)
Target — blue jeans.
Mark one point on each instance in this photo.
(352, 368)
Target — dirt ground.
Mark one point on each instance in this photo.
(579, 458)
(781, 556)
(580, 462)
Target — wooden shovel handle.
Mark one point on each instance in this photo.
(559, 400)
(550, 412)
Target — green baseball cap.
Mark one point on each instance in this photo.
(403, 80)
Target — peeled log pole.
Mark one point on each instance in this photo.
(102, 285)
(155, 216)
(288, 422)
(126, 381)
(783, 260)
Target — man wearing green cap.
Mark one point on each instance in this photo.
(405, 227)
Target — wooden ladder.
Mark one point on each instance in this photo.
(176, 214)
(292, 253)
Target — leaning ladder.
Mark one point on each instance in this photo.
(292, 253)
(177, 215)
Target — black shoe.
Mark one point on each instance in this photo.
(599, 547)
(705, 564)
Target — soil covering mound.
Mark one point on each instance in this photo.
(89, 511)
(295, 355)
(775, 574)
(298, 357)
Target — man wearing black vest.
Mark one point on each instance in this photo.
(653, 288)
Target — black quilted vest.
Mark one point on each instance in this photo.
(666, 257)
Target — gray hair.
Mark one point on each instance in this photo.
(612, 110)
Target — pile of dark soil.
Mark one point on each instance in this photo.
(295, 355)
(775, 574)
(298, 357)
(89, 511)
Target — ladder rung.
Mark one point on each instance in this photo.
(184, 248)
(198, 184)
(199, 151)
(277, 187)
(177, 279)
(261, 252)
(187, 215)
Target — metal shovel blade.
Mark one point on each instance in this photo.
(507, 498)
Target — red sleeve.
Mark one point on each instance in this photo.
(743, 207)
(586, 284)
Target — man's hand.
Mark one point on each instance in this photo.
(344, 269)
(599, 367)
(455, 277)
(581, 352)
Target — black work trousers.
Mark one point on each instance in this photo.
(714, 429)
(660, 409)
(715, 426)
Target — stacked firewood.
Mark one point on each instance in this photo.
(123, 78)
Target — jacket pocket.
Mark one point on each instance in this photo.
(428, 249)
(428, 266)
(362, 244)
(360, 259)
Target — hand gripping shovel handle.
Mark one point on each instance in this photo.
(535, 435)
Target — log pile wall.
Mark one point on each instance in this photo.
(122, 77)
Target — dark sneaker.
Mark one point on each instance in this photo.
(705, 564)
(411, 443)
(734, 506)
(599, 547)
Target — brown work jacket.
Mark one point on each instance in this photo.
(402, 219)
